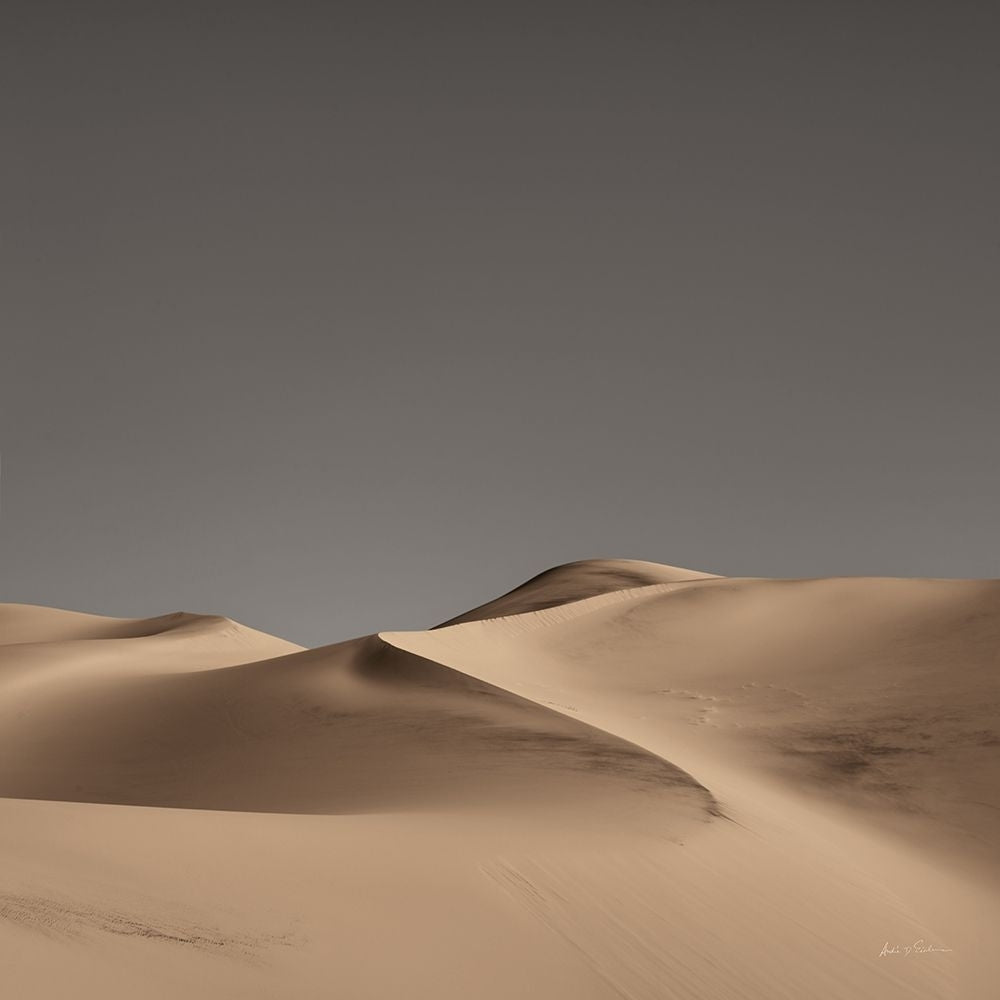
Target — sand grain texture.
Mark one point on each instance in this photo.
(619, 780)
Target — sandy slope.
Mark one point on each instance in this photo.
(690, 788)
(576, 581)
(358, 727)
(849, 726)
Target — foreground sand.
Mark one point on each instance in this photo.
(692, 787)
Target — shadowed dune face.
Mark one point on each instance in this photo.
(355, 727)
(575, 582)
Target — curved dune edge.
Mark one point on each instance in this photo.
(577, 581)
(830, 742)
(43, 646)
(359, 727)
(811, 676)
(29, 624)
(490, 804)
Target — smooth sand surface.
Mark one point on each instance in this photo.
(620, 780)
(574, 582)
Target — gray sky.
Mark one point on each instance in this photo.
(343, 317)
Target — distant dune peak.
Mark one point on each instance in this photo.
(576, 581)
(29, 623)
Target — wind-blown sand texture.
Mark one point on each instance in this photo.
(618, 780)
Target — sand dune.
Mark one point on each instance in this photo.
(50, 638)
(358, 727)
(859, 712)
(577, 581)
(619, 780)
(877, 694)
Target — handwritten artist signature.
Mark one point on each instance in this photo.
(919, 947)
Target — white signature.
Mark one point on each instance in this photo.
(919, 947)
